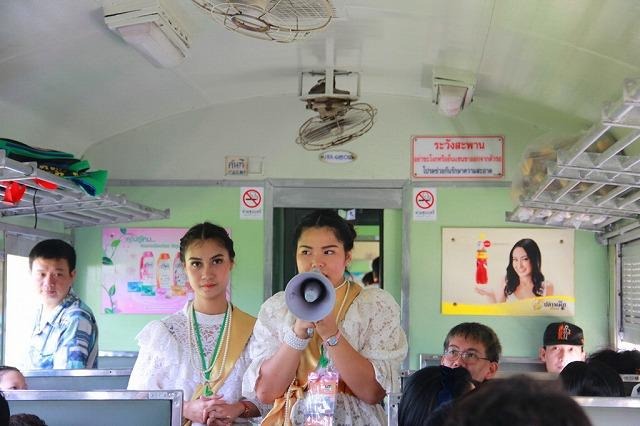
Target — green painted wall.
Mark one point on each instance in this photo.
(457, 207)
(188, 207)
(520, 336)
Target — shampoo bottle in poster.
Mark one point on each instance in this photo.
(147, 267)
(180, 280)
(163, 274)
(482, 277)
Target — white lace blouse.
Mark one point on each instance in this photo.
(372, 327)
(169, 358)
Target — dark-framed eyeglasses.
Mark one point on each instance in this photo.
(467, 357)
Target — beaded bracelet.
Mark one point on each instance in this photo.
(294, 341)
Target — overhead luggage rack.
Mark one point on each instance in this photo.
(593, 191)
(68, 202)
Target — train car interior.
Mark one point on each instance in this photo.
(443, 130)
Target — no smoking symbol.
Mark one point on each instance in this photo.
(251, 198)
(425, 199)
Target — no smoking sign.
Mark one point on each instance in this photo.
(424, 204)
(251, 201)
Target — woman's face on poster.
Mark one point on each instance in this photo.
(520, 262)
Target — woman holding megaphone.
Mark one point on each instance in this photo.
(360, 337)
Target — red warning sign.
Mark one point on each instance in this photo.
(251, 198)
(425, 199)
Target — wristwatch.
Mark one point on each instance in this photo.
(333, 340)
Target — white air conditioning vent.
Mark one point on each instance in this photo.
(153, 27)
(338, 10)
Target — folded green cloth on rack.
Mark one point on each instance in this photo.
(16, 148)
(58, 163)
(94, 183)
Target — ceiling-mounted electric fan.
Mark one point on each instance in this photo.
(339, 119)
(282, 21)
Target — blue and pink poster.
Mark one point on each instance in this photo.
(142, 272)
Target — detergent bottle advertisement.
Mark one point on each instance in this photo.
(142, 272)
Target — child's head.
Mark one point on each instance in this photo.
(562, 343)
(11, 378)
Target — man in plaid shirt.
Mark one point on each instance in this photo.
(65, 333)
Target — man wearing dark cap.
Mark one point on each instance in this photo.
(562, 343)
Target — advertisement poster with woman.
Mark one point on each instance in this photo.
(507, 271)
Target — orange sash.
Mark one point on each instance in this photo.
(281, 411)
(241, 328)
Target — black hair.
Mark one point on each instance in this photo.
(518, 400)
(375, 267)
(629, 362)
(206, 231)
(594, 378)
(479, 333)
(367, 278)
(54, 249)
(429, 388)
(4, 410)
(343, 230)
(535, 258)
(24, 419)
(606, 356)
(624, 362)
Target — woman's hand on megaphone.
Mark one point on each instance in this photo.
(300, 328)
(327, 327)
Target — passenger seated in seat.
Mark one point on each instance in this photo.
(475, 347)
(23, 419)
(429, 391)
(591, 379)
(518, 400)
(11, 378)
(624, 362)
(562, 343)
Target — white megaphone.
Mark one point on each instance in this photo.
(310, 296)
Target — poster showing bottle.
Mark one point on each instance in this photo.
(504, 271)
(142, 272)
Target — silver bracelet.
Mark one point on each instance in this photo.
(294, 341)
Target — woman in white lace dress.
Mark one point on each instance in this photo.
(201, 349)
(362, 336)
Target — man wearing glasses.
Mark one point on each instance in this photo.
(475, 347)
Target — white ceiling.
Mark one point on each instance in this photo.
(67, 82)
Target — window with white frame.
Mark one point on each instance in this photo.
(629, 295)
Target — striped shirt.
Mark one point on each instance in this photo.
(68, 338)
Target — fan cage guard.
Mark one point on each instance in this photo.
(282, 21)
(317, 134)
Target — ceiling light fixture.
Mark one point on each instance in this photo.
(452, 91)
(151, 27)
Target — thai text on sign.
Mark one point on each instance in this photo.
(458, 157)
